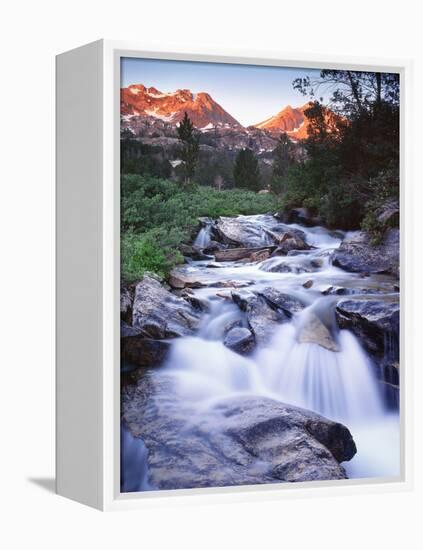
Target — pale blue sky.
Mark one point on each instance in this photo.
(250, 93)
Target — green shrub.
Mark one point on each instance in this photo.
(384, 189)
(154, 251)
(373, 226)
(157, 215)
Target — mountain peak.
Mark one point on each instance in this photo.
(289, 119)
(203, 110)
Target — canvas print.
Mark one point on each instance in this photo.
(259, 275)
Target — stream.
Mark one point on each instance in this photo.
(340, 383)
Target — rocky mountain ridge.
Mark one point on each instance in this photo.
(152, 116)
(202, 109)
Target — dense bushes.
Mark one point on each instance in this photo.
(157, 215)
(153, 251)
(349, 174)
(352, 155)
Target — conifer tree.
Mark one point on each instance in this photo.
(190, 147)
(246, 170)
(282, 156)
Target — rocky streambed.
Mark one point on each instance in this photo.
(272, 355)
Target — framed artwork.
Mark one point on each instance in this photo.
(231, 275)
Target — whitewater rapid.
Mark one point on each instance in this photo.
(341, 385)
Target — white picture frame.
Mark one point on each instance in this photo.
(88, 276)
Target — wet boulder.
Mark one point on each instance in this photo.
(232, 283)
(215, 265)
(280, 300)
(259, 231)
(159, 314)
(262, 319)
(193, 252)
(279, 265)
(212, 247)
(185, 277)
(128, 331)
(141, 351)
(240, 232)
(198, 303)
(240, 340)
(357, 254)
(126, 301)
(377, 325)
(238, 441)
(328, 290)
(290, 241)
(374, 322)
(296, 252)
(235, 254)
(313, 331)
(301, 216)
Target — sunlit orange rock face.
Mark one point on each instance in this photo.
(206, 114)
(294, 122)
(170, 107)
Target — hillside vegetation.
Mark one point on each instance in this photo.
(157, 215)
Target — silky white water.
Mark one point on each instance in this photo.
(340, 385)
(203, 238)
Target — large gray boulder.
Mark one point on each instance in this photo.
(140, 351)
(377, 324)
(184, 276)
(237, 441)
(283, 266)
(251, 233)
(313, 331)
(290, 241)
(159, 314)
(240, 232)
(358, 255)
(126, 301)
(370, 320)
(240, 340)
(262, 319)
(266, 309)
(286, 302)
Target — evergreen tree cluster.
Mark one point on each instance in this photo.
(246, 170)
(352, 164)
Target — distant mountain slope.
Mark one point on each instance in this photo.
(202, 109)
(291, 120)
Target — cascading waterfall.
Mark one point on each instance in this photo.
(340, 385)
(203, 238)
(337, 381)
